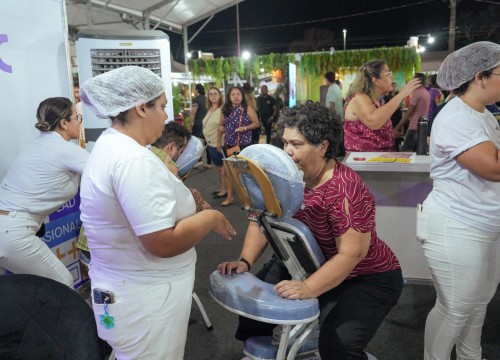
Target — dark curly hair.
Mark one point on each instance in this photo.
(316, 123)
(173, 132)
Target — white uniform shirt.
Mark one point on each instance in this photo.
(458, 193)
(126, 192)
(334, 95)
(44, 176)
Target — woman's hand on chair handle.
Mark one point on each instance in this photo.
(229, 266)
(292, 289)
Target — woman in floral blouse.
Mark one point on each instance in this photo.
(237, 122)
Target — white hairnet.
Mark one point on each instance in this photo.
(462, 65)
(121, 89)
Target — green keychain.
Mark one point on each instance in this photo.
(107, 320)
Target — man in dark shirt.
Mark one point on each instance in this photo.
(268, 111)
(198, 112)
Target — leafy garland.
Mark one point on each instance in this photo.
(399, 59)
(219, 69)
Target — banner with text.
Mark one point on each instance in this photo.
(34, 65)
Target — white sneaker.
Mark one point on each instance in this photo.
(207, 166)
(198, 164)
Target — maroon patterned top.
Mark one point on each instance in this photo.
(324, 215)
(357, 136)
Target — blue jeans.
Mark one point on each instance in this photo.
(215, 155)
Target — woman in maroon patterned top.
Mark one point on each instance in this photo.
(361, 279)
(367, 121)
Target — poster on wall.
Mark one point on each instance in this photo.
(35, 65)
(292, 78)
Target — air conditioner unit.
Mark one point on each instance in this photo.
(99, 51)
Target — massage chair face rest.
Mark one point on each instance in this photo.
(285, 177)
(189, 156)
(287, 182)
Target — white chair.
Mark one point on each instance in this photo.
(292, 242)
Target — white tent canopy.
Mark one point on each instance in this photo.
(171, 15)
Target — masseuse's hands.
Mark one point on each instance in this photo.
(222, 225)
(229, 266)
(292, 289)
(198, 200)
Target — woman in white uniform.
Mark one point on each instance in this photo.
(459, 222)
(42, 178)
(140, 220)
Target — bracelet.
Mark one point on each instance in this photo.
(245, 128)
(242, 259)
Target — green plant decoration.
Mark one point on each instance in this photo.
(399, 59)
(177, 100)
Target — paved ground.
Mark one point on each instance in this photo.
(399, 338)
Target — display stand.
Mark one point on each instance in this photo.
(398, 181)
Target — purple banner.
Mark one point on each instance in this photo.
(70, 207)
(4, 66)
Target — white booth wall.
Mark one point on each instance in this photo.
(34, 65)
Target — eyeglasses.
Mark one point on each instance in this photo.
(79, 118)
(495, 74)
(388, 73)
(213, 94)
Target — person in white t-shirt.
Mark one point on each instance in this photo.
(459, 222)
(140, 220)
(42, 178)
(334, 100)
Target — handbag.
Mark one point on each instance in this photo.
(235, 150)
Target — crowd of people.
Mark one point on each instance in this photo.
(142, 223)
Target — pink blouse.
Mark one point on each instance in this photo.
(357, 136)
(324, 215)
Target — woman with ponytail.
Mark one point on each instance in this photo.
(42, 178)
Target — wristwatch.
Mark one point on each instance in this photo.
(242, 259)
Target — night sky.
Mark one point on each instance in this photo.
(272, 25)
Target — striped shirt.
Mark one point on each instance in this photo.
(323, 212)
